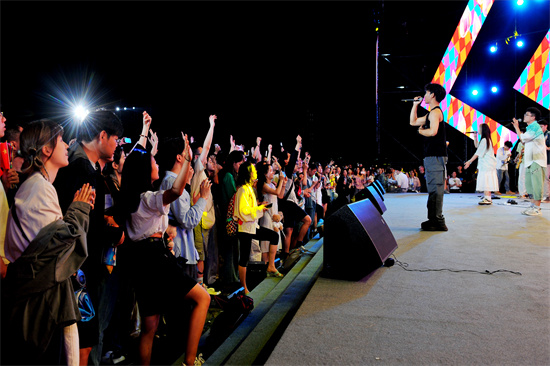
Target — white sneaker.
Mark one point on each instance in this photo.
(485, 201)
(524, 212)
(533, 211)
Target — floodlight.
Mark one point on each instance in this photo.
(475, 92)
(519, 44)
(494, 89)
(80, 113)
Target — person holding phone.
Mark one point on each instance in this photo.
(269, 192)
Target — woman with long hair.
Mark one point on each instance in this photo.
(160, 284)
(248, 212)
(487, 180)
(229, 246)
(52, 246)
(269, 192)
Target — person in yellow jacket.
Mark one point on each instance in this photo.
(248, 212)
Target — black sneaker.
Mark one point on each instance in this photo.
(432, 226)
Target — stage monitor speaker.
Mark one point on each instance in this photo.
(379, 187)
(374, 195)
(357, 241)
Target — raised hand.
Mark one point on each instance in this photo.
(187, 153)
(146, 119)
(205, 189)
(154, 141)
(213, 119)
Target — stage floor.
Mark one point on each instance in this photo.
(438, 317)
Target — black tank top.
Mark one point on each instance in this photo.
(435, 145)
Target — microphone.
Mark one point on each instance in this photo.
(409, 100)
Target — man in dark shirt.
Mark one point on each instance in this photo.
(97, 140)
(432, 127)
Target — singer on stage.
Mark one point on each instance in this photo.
(432, 127)
(534, 158)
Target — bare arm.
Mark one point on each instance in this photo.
(172, 194)
(269, 148)
(414, 120)
(208, 141)
(257, 152)
(435, 117)
(145, 130)
(232, 143)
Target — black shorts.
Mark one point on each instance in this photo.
(293, 214)
(159, 281)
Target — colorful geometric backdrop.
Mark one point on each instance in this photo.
(533, 82)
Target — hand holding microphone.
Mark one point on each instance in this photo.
(416, 100)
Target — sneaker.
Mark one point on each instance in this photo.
(431, 226)
(510, 193)
(485, 201)
(199, 361)
(547, 199)
(533, 211)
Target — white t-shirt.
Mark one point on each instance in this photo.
(150, 218)
(502, 156)
(455, 183)
(402, 180)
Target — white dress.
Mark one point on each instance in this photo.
(487, 179)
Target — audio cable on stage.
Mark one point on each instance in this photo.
(486, 272)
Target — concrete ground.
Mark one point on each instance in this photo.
(442, 305)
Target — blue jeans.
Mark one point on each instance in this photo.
(435, 182)
(500, 173)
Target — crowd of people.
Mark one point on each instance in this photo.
(99, 216)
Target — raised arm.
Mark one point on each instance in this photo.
(232, 143)
(145, 130)
(269, 149)
(208, 141)
(414, 120)
(172, 194)
(257, 152)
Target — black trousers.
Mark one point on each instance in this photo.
(245, 242)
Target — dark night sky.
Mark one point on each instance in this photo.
(270, 69)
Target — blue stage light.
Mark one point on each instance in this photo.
(493, 49)
(520, 2)
(519, 44)
(475, 92)
(494, 89)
